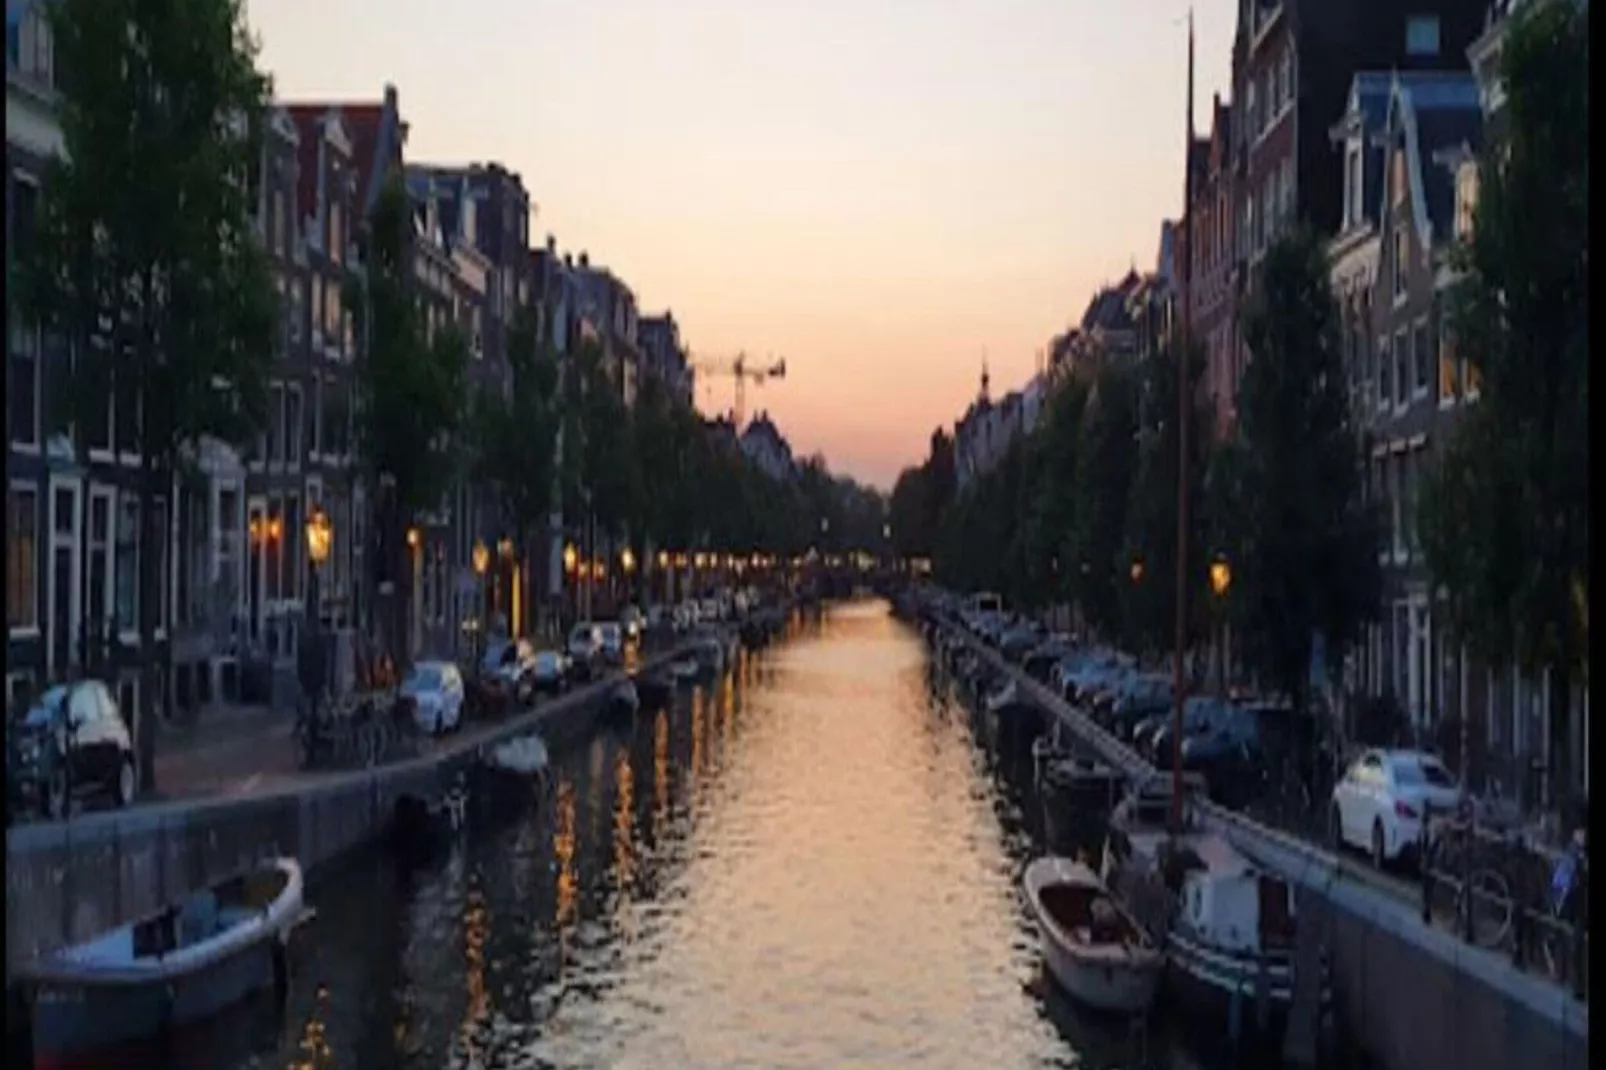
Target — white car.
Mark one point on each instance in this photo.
(1383, 798)
(434, 691)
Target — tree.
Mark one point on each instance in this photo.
(146, 260)
(1505, 516)
(516, 436)
(1105, 470)
(410, 391)
(1149, 592)
(1306, 540)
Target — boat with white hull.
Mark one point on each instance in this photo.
(1228, 923)
(1097, 951)
(94, 1002)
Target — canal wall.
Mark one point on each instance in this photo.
(70, 880)
(1411, 996)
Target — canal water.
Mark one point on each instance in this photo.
(814, 864)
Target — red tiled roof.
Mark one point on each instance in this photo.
(362, 122)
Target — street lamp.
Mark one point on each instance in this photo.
(1220, 575)
(481, 558)
(1137, 570)
(571, 558)
(1220, 581)
(320, 537)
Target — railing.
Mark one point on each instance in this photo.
(1557, 946)
(1493, 889)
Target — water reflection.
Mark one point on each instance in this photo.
(814, 865)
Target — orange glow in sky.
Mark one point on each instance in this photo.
(881, 192)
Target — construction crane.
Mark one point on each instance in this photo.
(742, 371)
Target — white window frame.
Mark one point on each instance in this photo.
(1399, 257)
(30, 489)
(101, 492)
(130, 634)
(1402, 353)
(31, 348)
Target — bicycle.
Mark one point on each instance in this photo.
(1483, 905)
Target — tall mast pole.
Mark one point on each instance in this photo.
(1181, 342)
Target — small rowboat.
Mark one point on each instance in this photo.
(94, 1002)
(1096, 951)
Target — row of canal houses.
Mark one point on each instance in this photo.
(1364, 120)
(235, 572)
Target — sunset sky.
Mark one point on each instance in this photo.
(881, 191)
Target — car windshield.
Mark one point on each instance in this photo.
(1414, 772)
(45, 707)
(422, 678)
(545, 659)
(583, 633)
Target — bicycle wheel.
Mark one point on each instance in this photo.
(1491, 908)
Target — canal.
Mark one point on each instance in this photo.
(812, 865)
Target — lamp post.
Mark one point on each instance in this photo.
(1220, 582)
(482, 564)
(320, 535)
(571, 562)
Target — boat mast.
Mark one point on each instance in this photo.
(1181, 341)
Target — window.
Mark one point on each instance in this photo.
(1353, 187)
(1397, 503)
(1421, 359)
(128, 563)
(100, 529)
(164, 563)
(292, 424)
(1285, 78)
(296, 308)
(1449, 370)
(1384, 366)
(1466, 201)
(1286, 208)
(22, 404)
(1252, 127)
(98, 430)
(22, 557)
(126, 416)
(1412, 464)
(1399, 262)
(273, 550)
(35, 49)
(1422, 35)
(1402, 366)
(276, 444)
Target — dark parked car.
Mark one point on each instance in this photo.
(1202, 715)
(72, 742)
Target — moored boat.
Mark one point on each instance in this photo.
(93, 1002)
(1228, 924)
(1097, 952)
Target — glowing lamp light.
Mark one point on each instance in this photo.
(1137, 570)
(1220, 576)
(571, 558)
(320, 535)
(482, 558)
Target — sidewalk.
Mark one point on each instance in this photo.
(230, 750)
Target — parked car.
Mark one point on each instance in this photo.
(551, 671)
(433, 696)
(708, 610)
(1141, 696)
(1202, 715)
(585, 649)
(613, 642)
(507, 666)
(71, 742)
(1382, 800)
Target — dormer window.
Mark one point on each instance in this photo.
(1422, 35)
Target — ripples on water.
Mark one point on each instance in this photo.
(815, 867)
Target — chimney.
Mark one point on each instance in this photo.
(551, 243)
(585, 261)
(568, 260)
